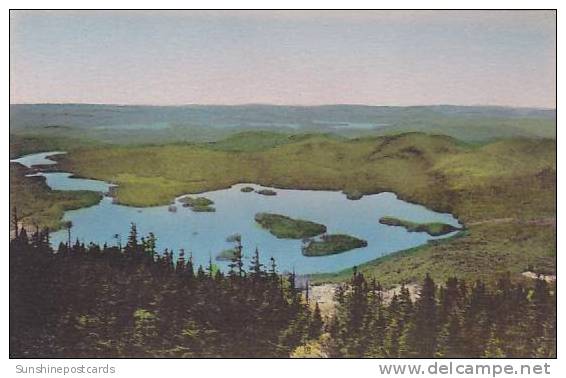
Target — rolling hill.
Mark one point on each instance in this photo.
(198, 123)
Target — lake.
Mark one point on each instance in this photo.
(204, 234)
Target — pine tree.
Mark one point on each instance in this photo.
(395, 329)
(315, 327)
(201, 275)
(292, 292)
(171, 261)
(189, 270)
(358, 300)
(256, 267)
(541, 331)
(272, 267)
(69, 226)
(148, 245)
(424, 333)
(541, 302)
(23, 237)
(237, 263)
(210, 268)
(405, 304)
(451, 342)
(378, 333)
(180, 267)
(132, 244)
(449, 299)
(15, 222)
(476, 321)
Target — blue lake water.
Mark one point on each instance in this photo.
(65, 181)
(41, 158)
(204, 234)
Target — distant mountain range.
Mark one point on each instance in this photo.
(115, 123)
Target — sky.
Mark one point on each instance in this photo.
(284, 57)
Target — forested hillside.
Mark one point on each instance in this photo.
(456, 319)
(114, 301)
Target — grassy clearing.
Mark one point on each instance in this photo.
(288, 228)
(433, 229)
(333, 244)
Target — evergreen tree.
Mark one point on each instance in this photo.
(189, 270)
(180, 267)
(451, 342)
(272, 268)
(424, 333)
(256, 267)
(393, 343)
(68, 226)
(210, 269)
(15, 222)
(201, 275)
(132, 244)
(477, 321)
(315, 327)
(237, 262)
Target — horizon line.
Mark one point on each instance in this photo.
(286, 105)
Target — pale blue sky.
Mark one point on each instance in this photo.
(304, 58)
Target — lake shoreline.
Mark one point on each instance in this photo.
(277, 185)
(345, 274)
(380, 243)
(268, 185)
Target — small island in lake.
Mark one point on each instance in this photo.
(247, 189)
(433, 229)
(333, 244)
(284, 227)
(353, 195)
(227, 255)
(267, 192)
(198, 204)
(234, 238)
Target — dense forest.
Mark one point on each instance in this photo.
(129, 301)
(455, 320)
(92, 301)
